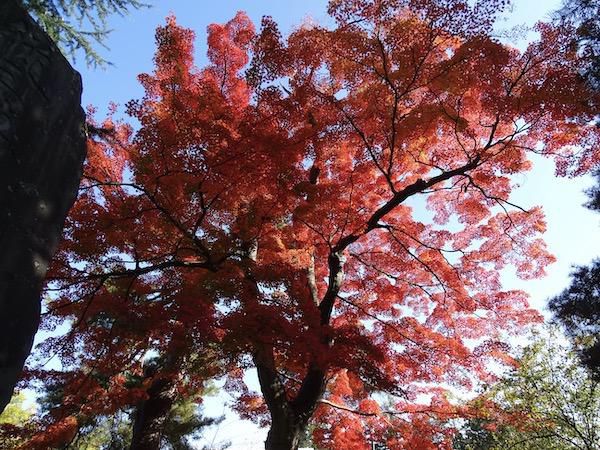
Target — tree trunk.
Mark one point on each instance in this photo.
(289, 418)
(42, 148)
(285, 432)
(152, 413)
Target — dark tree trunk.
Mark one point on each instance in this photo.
(285, 432)
(152, 413)
(289, 418)
(42, 148)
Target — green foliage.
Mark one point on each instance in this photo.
(474, 435)
(12, 418)
(105, 433)
(550, 401)
(15, 413)
(79, 25)
(185, 422)
(578, 310)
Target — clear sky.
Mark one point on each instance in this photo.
(572, 230)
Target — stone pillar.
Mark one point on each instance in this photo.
(42, 148)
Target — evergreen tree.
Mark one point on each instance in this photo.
(578, 309)
(582, 15)
(79, 25)
(578, 306)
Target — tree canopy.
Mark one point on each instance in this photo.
(331, 209)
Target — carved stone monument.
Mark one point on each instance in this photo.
(42, 148)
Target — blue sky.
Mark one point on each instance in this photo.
(572, 230)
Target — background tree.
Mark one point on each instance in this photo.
(476, 434)
(183, 423)
(120, 429)
(15, 413)
(578, 307)
(583, 16)
(273, 219)
(13, 422)
(79, 25)
(557, 400)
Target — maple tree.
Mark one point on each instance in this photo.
(331, 209)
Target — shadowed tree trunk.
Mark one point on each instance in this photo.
(289, 417)
(284, 433)
(42, 148)
(151, 414)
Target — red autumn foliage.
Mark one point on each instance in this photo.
(269, 213)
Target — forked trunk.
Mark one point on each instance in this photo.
(285, 433)
(289, 418)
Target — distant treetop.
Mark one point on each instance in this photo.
(583, 14)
